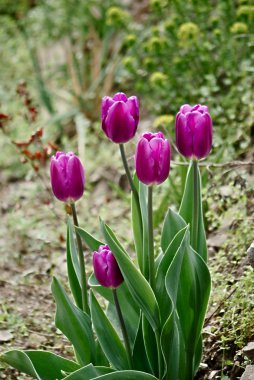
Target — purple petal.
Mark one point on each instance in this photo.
(76, 178)
(133, 106)
(58, 180)
(183, 136)
(185, 108)
(202, 138)
(145, 162)
(120, 96)
(100, 269)
(114, 274)
(105, 105)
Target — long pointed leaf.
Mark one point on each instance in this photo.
(74, 324)
(135, 281)
(107, 336)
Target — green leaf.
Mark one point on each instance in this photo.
(150, 346)
(188, 284)
(186, 210)
(140, 360)
(143, 205)
(92, 243)
(164, 301)
(137, 226)
(127, 303)
(127, 375)
(73, 266)
(89, 372)
(74, 324)
(138, 286)
(173, 223)
(107, 336)
(38, 363)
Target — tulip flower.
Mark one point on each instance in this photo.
(106, 269)
(120, 117)
(67, 177)
(194, 131)
(152, 158)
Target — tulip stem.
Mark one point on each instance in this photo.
(81, 262)
(127, 170)
(123, 328)
(195, 211)
(134, 192)
(150, 236)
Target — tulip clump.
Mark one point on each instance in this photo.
(156, 297)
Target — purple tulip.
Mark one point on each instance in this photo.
(194, 131)
(67, 177)
(120, 117)
(106, 269)
(152, 158)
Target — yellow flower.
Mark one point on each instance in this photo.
(188, 33)
(163, 121)
(117, 16)
(239, 28)
(158, 79)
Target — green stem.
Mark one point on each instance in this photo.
(123, 328)
(150, 236)
(81, 263)
(134, 191)
(157, 336)
(195, 211)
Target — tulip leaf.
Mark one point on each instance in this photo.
(163, 299)
(74, 324)
(150, 345)
(138, 286)
(41, 365)
(131, 314)
(188, 284)
(73, 266)
(187, 209)
(107, 336)
(92, 243)
(140, 359)
(144, 213)
(173, 223)
(89, 372)
(137, 225)
(127, 375)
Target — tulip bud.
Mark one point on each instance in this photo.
(120, 117)
(67, 177)
(194, 130)
(152, 158)
(106, 269)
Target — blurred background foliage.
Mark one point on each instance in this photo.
(71, 53)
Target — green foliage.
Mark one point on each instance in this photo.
(197, 52)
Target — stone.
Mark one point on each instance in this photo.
(250, 253)
(5, 336)
(249, 350)
(249, 373)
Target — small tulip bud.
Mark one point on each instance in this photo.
(106, 269)
(67, 177)
(152, 158)
(120, 117)
(194, 130)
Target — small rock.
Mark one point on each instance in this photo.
(249, 350)
(213, 374)
(5, 336)
(249, 373)
(36, 340)
(250, 253)
(216, 241)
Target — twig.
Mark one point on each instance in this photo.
(233, 164)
